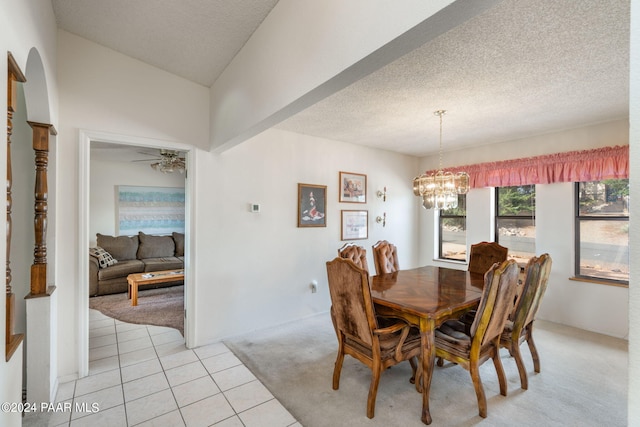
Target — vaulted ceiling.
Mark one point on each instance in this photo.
(521, 68)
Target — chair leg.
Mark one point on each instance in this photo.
(414, 367)
(514, 350)
(337, 369)
(502, 378)
(439, 362)
(477, 384)
(376, 370)
(532, 348)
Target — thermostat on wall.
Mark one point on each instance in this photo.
(254, 207)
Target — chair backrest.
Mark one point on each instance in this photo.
(355, 253)
(484, 254)
(385, 257)
(496, 303)
(351, 300)
(535, 284)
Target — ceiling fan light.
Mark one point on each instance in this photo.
(170, 162)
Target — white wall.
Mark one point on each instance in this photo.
(23, 25)
(106, 176)
(566, 301)
(254, 270)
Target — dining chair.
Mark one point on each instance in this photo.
(359, 334)
(355, 253)
(519, 325)
(471, 347)
(358, 255)
(385, 257)
(484, 254)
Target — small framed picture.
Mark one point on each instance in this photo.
(353, 187)
(354, 224)
(312, 205)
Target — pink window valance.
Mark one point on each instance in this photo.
(571, 166)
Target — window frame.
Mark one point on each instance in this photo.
(578, 218)
(442, 216)
(498, 217)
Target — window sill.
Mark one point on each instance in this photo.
(599, 282)
(450, 261)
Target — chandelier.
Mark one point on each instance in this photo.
(440, 190)
(170, 161)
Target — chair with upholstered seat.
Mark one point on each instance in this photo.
(385, 257)
(471, 348)
(484, 254)
(355, 253)
(519, 326)
(358, 255)
(358, 331)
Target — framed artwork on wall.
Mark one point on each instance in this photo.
(152, 210)
(353, 187)
(312, 205)
(354, 225)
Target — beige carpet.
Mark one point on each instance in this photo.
(160, 307)
(583, 381)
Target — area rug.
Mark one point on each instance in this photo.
(160, 307)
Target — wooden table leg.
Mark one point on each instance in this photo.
(134, 293)
(427, 332)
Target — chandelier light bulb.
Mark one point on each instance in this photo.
(440, 190)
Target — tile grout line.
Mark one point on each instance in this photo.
(124, 400)
(166, 378)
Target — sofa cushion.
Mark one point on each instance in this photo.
(162, 263)
(155, 246)
(103, 257)
(121, 269)
(121, 248)
(178, 238)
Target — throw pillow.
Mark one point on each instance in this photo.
(104, 258)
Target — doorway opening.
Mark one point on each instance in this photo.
(129, 161)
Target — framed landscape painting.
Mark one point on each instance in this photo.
(353, 187)
(312, 205)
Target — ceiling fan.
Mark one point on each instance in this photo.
(168, 161)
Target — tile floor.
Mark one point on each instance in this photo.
(143, 375)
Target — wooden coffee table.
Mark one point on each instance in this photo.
(150, 278)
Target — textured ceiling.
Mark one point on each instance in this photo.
(521, 68)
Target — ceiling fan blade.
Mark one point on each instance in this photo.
(146, 160)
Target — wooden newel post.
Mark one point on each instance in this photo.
(41, 134)
(14, 75)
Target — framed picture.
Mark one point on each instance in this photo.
(152, 210)
(353, 187)
(312, 205)
(354, 225)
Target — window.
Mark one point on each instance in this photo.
(452, 228)
(602, 230)
(515, 221)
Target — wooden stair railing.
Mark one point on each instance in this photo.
(41, 134)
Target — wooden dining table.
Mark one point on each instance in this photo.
(426, 297)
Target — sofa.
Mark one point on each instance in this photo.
(114, 258)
